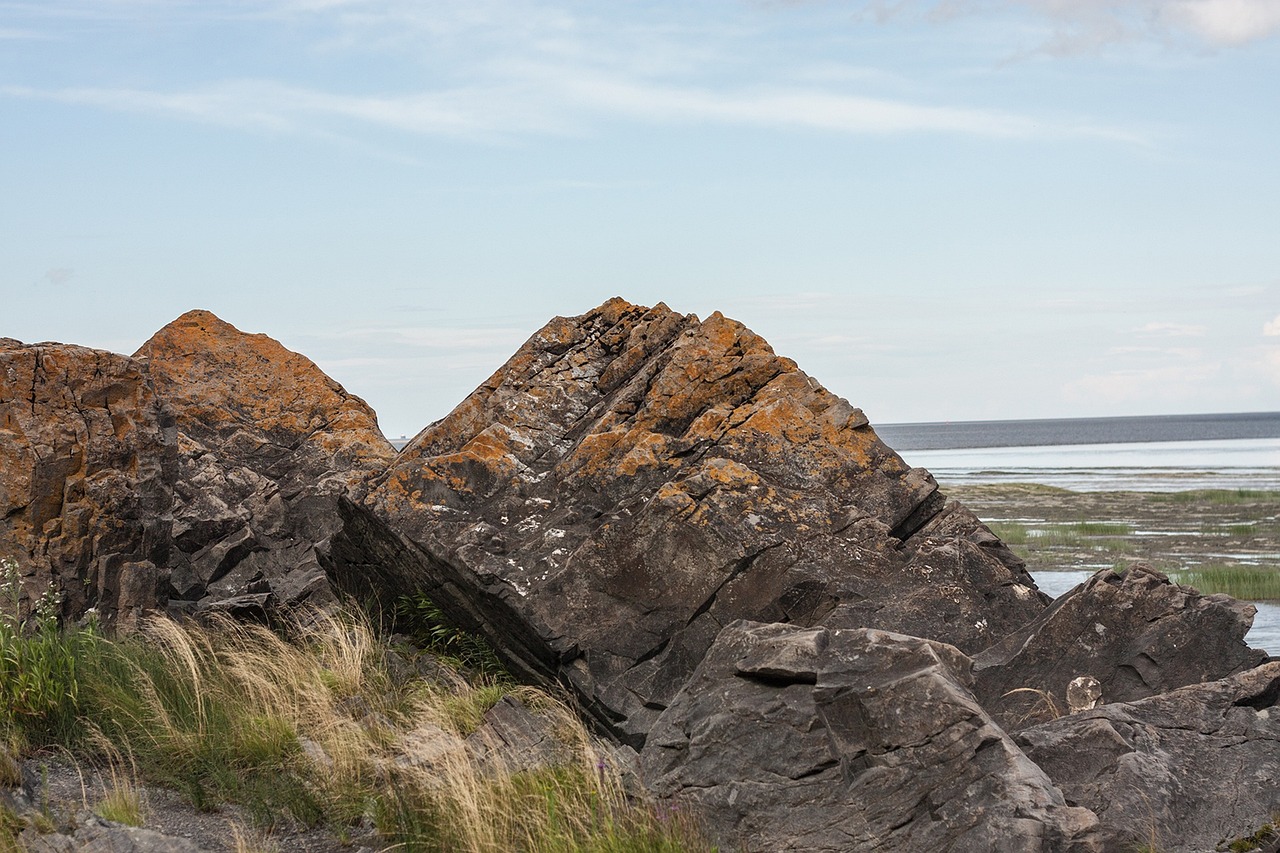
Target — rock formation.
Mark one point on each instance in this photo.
(1181, 772)
(731, 572)
(788, 738)
(86, 477)
(268, 447)
(634, 479)
(1136, 633)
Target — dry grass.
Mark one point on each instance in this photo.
(309, 725)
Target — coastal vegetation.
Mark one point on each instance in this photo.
(323, 722)
(1217, 540)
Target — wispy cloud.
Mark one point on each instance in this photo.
(563, 102)
(497, 69)
(1171, 330)
(1271, 328)
(1082, 26)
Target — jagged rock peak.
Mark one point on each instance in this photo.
(221, 381)
(632, 479)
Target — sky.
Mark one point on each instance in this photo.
(947, 210)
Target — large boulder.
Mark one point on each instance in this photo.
(86, 478)
(269, 447)
(1183, 771)
(633, 479)
(1135, 633)
(818, 739)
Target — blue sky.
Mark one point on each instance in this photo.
(950, 210)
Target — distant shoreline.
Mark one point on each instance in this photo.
(1050, 432)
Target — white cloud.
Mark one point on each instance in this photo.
(560, 101)
(1168, 384)
(1226, 22)
(1172, 330)
(1272, 327)
(1082, 26)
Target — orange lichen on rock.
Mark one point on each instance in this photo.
(221, 381)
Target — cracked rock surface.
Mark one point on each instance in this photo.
(634, 479)
(1136, 633)
(1183, 771)
(819, 739)
(87, 468)
(268, 448)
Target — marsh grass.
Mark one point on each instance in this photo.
(1249, 583)
(1098, 535)
(1218, 496)
(222, 713)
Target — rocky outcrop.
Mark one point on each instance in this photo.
(1135, 633)
(814, 739)
(1183, 771)
(86, 478)
(634, 479)
(268, 448)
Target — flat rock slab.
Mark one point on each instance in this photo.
(819, 739)
(1136, 633)
(634, 479)
(1183, 771)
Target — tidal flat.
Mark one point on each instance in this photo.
(1229, 539)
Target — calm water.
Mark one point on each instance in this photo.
(1149, 454)
(1264, 635)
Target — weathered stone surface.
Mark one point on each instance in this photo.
(1181, 771)
(819, 739)
(92, 834)
(1137, 633)
(634, 479)
(87, 468)
(269, 445)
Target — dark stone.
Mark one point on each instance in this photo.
(1182, 771)
(269, 446)
(1137, 633)
(819, 739)
(633, 479)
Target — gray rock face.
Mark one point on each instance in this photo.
(1182, 771)
(819, 739)
(269, 446)
(94, 835)
(1136, 633)
(87, 468)
(633, 479)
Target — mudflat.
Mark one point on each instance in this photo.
(1056, 529)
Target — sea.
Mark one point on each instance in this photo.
(1166, 453)
(1142, 454)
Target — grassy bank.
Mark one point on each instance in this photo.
(324, 723)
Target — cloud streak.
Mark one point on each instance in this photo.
(564, 104)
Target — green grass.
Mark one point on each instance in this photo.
(1101, 535)
(1249, 583)
(1218, 496)
(221, 714)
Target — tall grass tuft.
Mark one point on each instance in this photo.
(1249, 583)
(308, 725)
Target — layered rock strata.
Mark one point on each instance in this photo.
(818, 739)
(634, 479)
(269, 447)
(87, 468)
